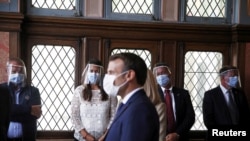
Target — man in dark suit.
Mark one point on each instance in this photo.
(5, 103)
(178, 104)
(225, 107)
(26, 103)
(137, 119)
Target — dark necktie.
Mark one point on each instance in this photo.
(232, 108)
(170, 113)
(119, 109)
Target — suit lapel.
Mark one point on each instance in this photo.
(125, 106)
(220, 96)
(177, 99)
(119, 112)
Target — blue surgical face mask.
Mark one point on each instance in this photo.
(93, 78)
(162, 80)
(17, 78)
(232, 81)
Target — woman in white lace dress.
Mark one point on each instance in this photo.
(92, 110)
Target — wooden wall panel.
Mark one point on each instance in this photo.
(168, 42)
(91, 48)
(4, 55)
(246, 74)
(168, 54)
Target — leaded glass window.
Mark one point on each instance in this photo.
(53, 73)
(54, 4)
(204, 11)
(206, 8)
(144, 54)
(133, 9)
(201, 74)
(60, 8)
(132, 6)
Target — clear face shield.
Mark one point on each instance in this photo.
(16, 74)
(160, 70)
(232, 77)
(92, 74)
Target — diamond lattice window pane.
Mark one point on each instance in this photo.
(55, 4)
(206, 8)
(144, 54)
(53, 73)
(132, 6)
(201, 74)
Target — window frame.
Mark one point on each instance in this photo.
(11, 6)
(135, 17)
(56, 12)
(53, 134)
(202, 47)
(198, 95)
(204, 20)
(151, 46)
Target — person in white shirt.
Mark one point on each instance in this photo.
(92, 110)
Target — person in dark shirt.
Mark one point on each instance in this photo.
(5, 105)
(180, 111)
(26, 103)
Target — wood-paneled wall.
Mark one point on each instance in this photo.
(96, 37)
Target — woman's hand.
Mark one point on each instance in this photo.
(89, 138)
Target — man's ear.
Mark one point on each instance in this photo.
(130, 75)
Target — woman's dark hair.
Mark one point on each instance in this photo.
(87, 93)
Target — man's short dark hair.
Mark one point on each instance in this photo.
(15, 59)
(134, 62)
(226, 68)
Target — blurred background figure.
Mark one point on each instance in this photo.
(225, 106)
(5, 105)
(151, 89)
(92, 108)
(180, 111)
(26, 103)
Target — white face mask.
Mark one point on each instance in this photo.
(108, 84)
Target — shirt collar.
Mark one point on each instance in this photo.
(224, 90)
(163, 89)
(126, 98)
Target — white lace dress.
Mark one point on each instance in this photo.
(94, 116)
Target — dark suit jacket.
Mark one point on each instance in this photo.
(21, 112)
(216, 113)
(5, 106)
(185, 115)
(136, 121)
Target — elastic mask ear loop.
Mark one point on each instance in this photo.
(9, 71)
(119, 76)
